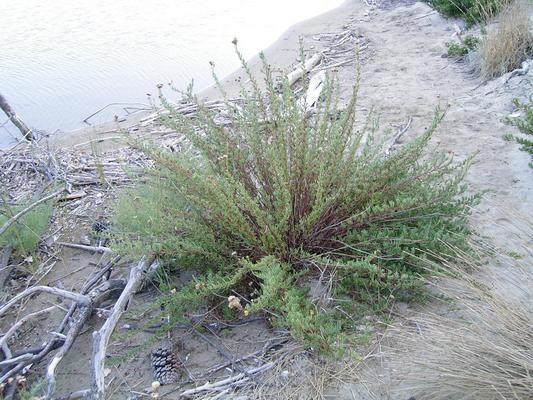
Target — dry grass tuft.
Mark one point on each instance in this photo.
(484, 350)
(508, 43)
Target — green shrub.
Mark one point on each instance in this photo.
(472, 11)
(525, 125)
(459, 50)
(25, 234)
(278, 194)
(471, 42)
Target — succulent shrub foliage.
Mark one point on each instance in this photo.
(277, 194)
(25, 234)
(525, 126)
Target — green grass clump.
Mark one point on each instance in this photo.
(263, 204)
(25, 234)
(459, 50)
(472, 11)
(525, 125)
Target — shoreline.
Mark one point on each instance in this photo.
(282, 54)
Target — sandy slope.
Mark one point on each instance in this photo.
(407, 76)
(405, 73)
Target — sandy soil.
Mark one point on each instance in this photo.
(404, 74)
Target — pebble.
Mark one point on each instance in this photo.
(84, 239)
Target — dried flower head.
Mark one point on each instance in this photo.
(234, 303)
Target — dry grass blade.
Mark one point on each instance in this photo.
(482, 351)
(508, 43)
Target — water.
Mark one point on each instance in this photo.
(62, 60)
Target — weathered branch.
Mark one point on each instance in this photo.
(19, 323)
(96, 249)
(27, 133)
(102, 336)
(293, 77)
(15, 217)
(53, 344)
(231, 381)
(79, 298)
(98, 295)
(387, 151)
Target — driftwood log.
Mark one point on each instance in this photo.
(101, 337)
(78, 298)
(107, 290)
(27, 133)
(309, 64)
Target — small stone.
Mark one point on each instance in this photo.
(84, 239)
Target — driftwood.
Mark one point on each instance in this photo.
(38, 354)
(232, 381)
(19, 323)
(105, 291)
(316, 85)
(387, 151)
(95, 249)
(311, 62)
(102, 336)
(15, 217)
(27, 133)
(79, 298)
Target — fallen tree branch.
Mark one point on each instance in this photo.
(17, 325)
(236, 380)
(79, 298)
(104, 292)
(27, 133)
(397, 137)
(15, 217)
(316, 85)
(293, 76)
(146, 107)
(96, 249)
(102, 336)
(53, 344)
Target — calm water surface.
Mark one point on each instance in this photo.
(62, 60)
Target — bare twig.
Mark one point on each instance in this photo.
(145, 107)
(51, 345)
(79, 298)
(236, 380)
(397, 137)
(17, 325)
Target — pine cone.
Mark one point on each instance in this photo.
(165, 366)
